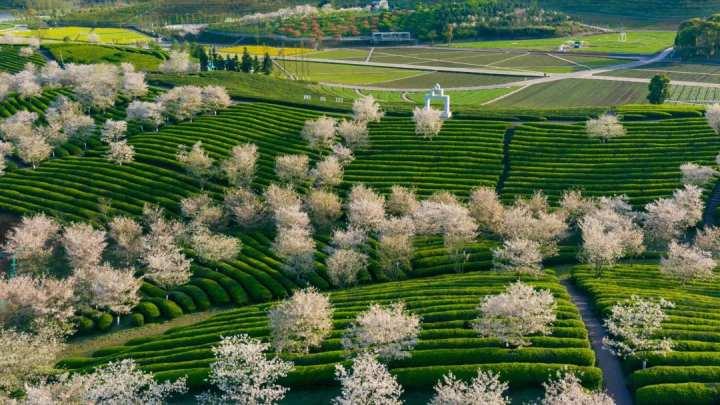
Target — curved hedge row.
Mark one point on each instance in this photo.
(690, 372)
(12, 62)
(644, 164)
(447, 342)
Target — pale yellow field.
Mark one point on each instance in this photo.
(105, 35)
(260, 50)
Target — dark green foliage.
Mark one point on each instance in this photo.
(137, 319)
(217, 295)
(152, 290)
(697, 38)
(104, 323)
(267, 64)
(149, 310)
(201, 300)
(84, 325)
(678, 394)
(246, 62)
(659, 89)
(184, 301)
(168, 309)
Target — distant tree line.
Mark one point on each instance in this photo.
(246, 63)
(699, 38)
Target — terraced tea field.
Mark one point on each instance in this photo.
(119, 36)
(644, 164)
(447, 343)
(12, 62)
(688, 374)
(145, 60)
(576, 93)
(692, 94)
(693, 72)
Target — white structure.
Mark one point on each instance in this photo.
(437, 93)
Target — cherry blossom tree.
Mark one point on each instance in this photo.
(121, 153)
(697, 175)
(240, 166)
(179, 62)
(96, 85)
(574, 206)
(213, 247)
(292, 169)
(244, 206)
(18, 125)
(33, 149)
(566, 389)
(103, 287)
(296, 247)
(25, 83)
(687, 263)
(486, 208)
(368, 383)
(113, 131)
(26, 52)
(51, 75)
(395, 247)
(402, 201)
(328, 172)
(301, 322)
(343, 154)
(145, 113)
(128, 237)
(446, 216)
(201, 210)
(513, 315)
(666, 218)
(242, 373)
(354, 134)
(350, 238)
(320, 132)
(133, 83)
(485, 389)
(605, 127)
(530, 219)
(6, 83)
(165, 261)
(27, 355)
(325, 207)
(29, 301)
(67, 116)
(521, 256)
(365, 208)
(6, 148)
(608, 236)
(120, 382)
(427, 122)
(278, 197)
(344, 265)
(31, 242)
(366, 109)
(708, 240)
(387, 332)
(197, 162)
(182, 102)
(83, 245)
(215, 98)
(712, 115)
(633, 324)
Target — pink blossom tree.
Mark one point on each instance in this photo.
(485, 389)
(368, 382)
(388, 332)
(301, 322)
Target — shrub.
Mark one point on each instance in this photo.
(201, 300)
(168, 309)
(104, 322)
(84, 325)
(678, 394)
(218, 296)
(137, 319)
(149, 310)
(183, 300)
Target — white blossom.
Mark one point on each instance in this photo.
(687, 263)
(182, 102)
(485, 389)
(244, 206)
(605, 127)
(518, 312)
(121, 153)
(667, 218)
(84, 245)
(402, 201)
(197, 161)
(28, 300)
(31, 242)
(104, 287)
(292, 169)
(366, 208)
(521, 256)
(353, 133)
(319, 133)
(367, 383)
(366, 109)
(113, 131)
(387, 332)
(145, 113)
(301, 322)
(27, 355)
(328, 172)
(215, 98)
(712, 115)
(632, 325)
(566, 389)
(608, 236)
(179, 62)
(214, 247)
(240, 166)
(697, 175)
(325, 207)
(344, 155)
(427, 122)
(708, 239)
(244, 375)
(344, 265)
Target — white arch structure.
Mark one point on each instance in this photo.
(437, 93)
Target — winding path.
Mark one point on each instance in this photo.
(610, 365)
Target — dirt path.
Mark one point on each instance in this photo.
(712, 206)
(613, 376)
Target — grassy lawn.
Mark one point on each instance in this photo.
(638, 42)
(118, 36)
(576, 93)
(467, 98)
(347, 74)
(349, 54)
(85, 53)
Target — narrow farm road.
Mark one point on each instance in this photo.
(612, 371)
(712, 206)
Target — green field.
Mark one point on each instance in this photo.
(345, 54)
(692, 94)
(644, 165)
(576, 93)
(75, 53)
(448, 80)
(446, 304)
(691, 369)
(638, 42)
(119, 36)
(346, 74)
(490, 59)
(694, 72)
(12, 62)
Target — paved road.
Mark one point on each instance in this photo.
(613, 377)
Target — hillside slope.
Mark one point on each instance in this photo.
(638, 12)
